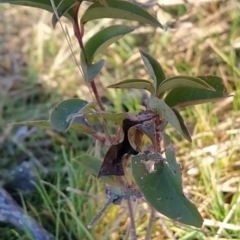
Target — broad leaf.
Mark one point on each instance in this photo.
(59, 116)
(182, 81)
(119, 10)
(154, 68)
(182, 97)
(46, 5)
(135, 83)
(103, 39)
(92, 165)
(163, 189)
(167, 113)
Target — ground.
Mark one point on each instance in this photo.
(37, 71)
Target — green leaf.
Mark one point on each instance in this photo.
(92, 165)
(183, 125)
(166, 140)
(92, 70)
(119, 10)
(59, 116)
(135, 83)
(64, 7)
(46, 5)
(182, 81)
(163, 189)
(154, 68)
(103, 39)
(167, 113)
(182, 97)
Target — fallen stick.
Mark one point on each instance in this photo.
(11, 213)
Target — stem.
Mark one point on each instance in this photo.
(79, 35)
(133, 233)
(95, 92)
(150, 224)
(157, 145)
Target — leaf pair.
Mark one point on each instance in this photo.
(100, 41)
(76, 114)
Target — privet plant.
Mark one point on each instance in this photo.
(140, 162)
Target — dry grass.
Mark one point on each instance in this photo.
(37, 71)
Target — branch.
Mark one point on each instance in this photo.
(150, 224)
(133, 233)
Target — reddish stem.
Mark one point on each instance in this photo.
(79, 32)
(157, 146)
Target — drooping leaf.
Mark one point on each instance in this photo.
(154, 68)
(91, 71)
(103, 39)
(135, 83)
(135, 137)
(135, 134)
(166, 140)
(119, 10)
(183, 125)
(46, 5)
(167, 113)
(163, 189)
(112, 163)
(182, 97)
(182, 81)
(59, 116)
(92, 165)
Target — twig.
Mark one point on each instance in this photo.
(165, 229)
(133, 233)
(126, 237)
(150, 224)
(79, 192)
(99, 214)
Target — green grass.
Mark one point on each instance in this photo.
(36, 62)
